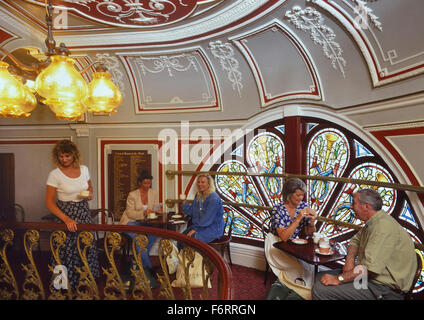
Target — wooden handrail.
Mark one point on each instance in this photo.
(222, 266)
(397, 186)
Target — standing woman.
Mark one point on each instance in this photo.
(66, 182)
(206, 212)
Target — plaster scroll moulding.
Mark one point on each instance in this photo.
(168, 63)
(224, 52)
(113, 65)
(386, 64)
(310, 20)
(364, 15)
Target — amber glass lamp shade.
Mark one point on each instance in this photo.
(62, 87)
(12, 92)
(69, 110)
(24, 110)
(16, 100)
(103, 95)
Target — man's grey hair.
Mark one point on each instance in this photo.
(372, 197)
(291, 186)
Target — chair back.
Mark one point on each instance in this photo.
(265, 224)
(408, 295)
(229, 221)
(105, 215)
(19, 212)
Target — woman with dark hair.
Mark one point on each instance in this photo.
(68, 182)
(140, 203)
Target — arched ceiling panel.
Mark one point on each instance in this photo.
(175, 82)
(384, 36)
(282, 68)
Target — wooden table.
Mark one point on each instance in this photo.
(167, 222)
(306, 252)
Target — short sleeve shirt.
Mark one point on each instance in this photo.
(68, 189)
(387, 250)
(280, 218)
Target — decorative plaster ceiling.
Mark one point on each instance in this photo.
(194, 55)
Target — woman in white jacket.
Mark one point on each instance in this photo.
(140, 203)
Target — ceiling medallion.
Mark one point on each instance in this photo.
(132, 13)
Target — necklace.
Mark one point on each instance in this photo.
(201, 204)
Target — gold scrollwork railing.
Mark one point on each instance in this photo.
(88, 288)
(397, 186)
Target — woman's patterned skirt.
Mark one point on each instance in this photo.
(69, 256)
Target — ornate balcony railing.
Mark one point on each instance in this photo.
(30, 284)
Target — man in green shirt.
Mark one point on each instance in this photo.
(386, 260)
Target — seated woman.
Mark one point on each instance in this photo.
(206, 212)
(293, 216)
(289, 220)
(140, 203)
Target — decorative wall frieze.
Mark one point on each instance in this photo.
(172, 64)
(364, 15)
(132, 13)
(190, 30)
(113, 65)
(311, 21)
(386, 62)
(171, 82)
(224, 52)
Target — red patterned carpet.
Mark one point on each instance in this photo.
(249, 283)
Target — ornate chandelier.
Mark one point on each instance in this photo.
(58, 84)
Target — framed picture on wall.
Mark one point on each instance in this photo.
(124, 167)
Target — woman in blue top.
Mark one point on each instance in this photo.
(206, 212)
(292, 216)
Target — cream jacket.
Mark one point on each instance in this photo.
(134, 209)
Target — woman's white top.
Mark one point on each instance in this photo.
(68, 189)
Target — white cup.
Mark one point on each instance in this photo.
(84, 193)
(152, 215)
(324, 245)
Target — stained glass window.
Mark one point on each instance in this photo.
(328, 150)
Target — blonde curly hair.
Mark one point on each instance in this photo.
(66, 146)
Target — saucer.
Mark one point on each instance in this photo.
(324, 254)
(149, 218)
(176, 216)
(178, 222)
(299, 241)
